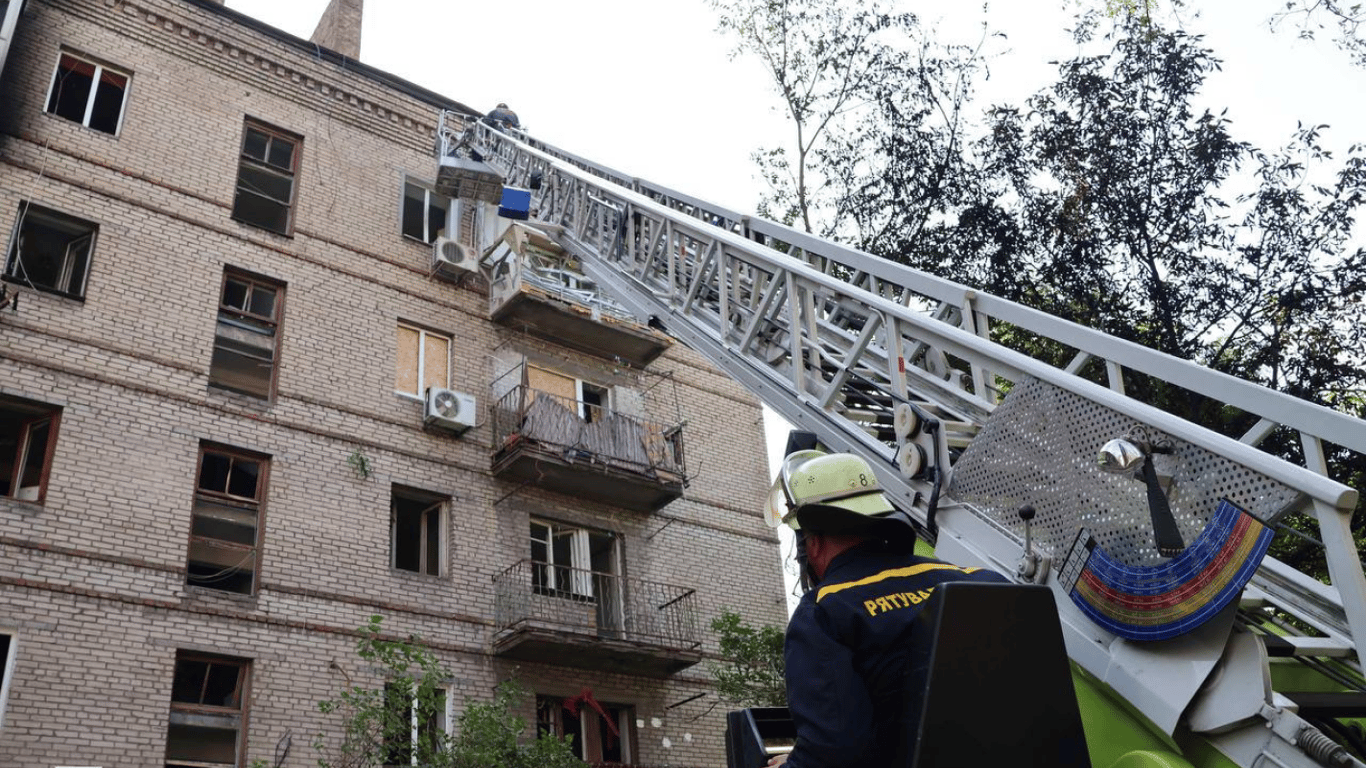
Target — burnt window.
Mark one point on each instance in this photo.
(28, 437)
(424, 212)
(569, 561)
(225, 526)
(266, 173)
(246, 340)
(50, 251)
(418, 526)
(208, 705)
(88, 93)
(600, 732)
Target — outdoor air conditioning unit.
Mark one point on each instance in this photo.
(449, 410)
(452, 259)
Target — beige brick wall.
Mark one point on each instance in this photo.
(92, 581)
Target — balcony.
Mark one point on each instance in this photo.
(577, 448)
(537, 288)
(575, 617)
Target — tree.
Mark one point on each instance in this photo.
(1111, 199)
(824, 59)
(398, 723)
(751, 674)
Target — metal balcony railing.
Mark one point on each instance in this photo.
(581, 431)
(538, 595)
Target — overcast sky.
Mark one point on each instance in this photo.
(647, 87)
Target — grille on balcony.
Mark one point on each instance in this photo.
(555, 597)
(582, 431)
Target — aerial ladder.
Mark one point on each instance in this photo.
(1150, 529)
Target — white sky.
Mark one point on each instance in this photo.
(647, 87)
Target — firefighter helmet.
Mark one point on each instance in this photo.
(835, 493)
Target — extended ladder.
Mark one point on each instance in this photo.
(901, 367)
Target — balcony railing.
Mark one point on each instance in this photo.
(641, 620)
(588, 431)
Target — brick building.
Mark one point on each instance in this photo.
(220, 444)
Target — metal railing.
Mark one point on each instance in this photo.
(586, 432)
(603, 605)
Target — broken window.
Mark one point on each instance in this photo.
(602, 733)
(265, 178)
(424, 360)
(28, 437)
(411, 724)
(50, 251)
(424, 212)
(417, 522)
(568, 561)
(8, 650)
(88, 93)
(207, 711)
(226, 522)
(245, 343)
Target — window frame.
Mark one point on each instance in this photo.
(422, 384)
(8, 659)
(85, 230)
(264, 165)
(441, 503)
(554, 723)
(415, 729)
(227, 499)
(243, 696)
(545, 580)
(29, 413)
(99, 70)
(252, 322)
(429, 194)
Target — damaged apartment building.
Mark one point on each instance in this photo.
(260, 380)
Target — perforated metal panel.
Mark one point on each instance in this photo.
(1040, 447)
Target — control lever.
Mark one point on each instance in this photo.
(1033, 567)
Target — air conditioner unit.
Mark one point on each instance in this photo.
(449, 410)
(452, 259)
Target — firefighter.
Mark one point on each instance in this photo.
(502, 117)
(848, 646)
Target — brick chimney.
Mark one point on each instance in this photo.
(339, 27)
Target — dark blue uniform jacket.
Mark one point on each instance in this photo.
(848, 649)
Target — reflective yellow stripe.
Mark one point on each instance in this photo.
(892, 573)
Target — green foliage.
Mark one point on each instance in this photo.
(752, 673)
(490, 736)
(377, 724)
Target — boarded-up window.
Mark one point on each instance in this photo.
(424, 360)
(225, 526)
(207, 709)
(586, 399)
(248, 331)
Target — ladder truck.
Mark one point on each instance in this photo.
(1188, 643)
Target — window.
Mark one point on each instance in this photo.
(567, 561)
(602, 733)
(589, 400)
(424, 360)
(417, 522)
(413, 725)
(28, 437)
(207, 711)
(245, 342)
(424, 212)
(265, 178)
(50, 251)
(88, 93)
(226, 523)
(9, 647)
